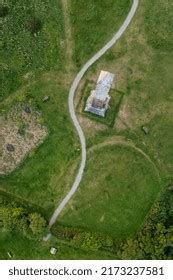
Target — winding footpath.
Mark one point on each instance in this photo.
(72, 109)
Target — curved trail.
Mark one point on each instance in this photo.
(120, 141)
(72, 109)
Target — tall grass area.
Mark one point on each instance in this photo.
(31, 36)
(94, 22)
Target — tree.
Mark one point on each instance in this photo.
(11, 216)
(37, 223)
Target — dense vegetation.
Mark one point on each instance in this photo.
(155, 240)
(23, 248)
(3, 10)
(15, 218)
(81, 238)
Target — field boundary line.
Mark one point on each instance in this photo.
(120, 141)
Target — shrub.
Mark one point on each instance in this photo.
(37, 223)
(82, 238)
(34, 25)
(3, 10)
(11, 217)
(63, 232)
(88, 240)
(16, 218)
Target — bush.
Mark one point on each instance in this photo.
(88, 240)
(11, 217)
(16, 218)
(63, 232)
(158, 24)
(34, 25)
(82, 238)
(3, 11)
(37, 223)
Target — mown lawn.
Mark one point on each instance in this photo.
(93, 24)
(117, 191)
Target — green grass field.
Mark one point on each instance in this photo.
(144, 77)
(43, 177)
(118, 189)
(98, 20)
(37, 61)
(143, 67)
(120, 185)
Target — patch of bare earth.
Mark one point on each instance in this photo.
(20, 133)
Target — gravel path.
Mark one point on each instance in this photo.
(72, 109)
